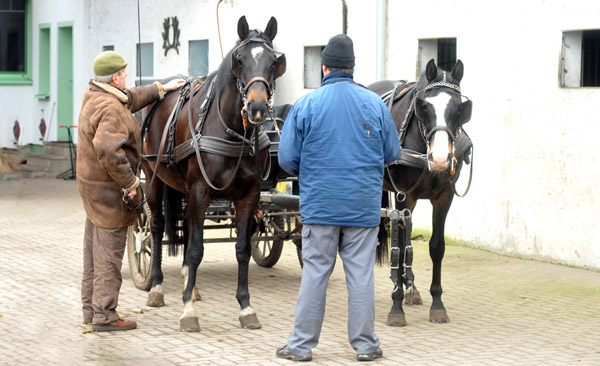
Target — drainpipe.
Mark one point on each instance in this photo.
(344, 17)
(381, 43)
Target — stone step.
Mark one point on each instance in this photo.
(49, 163)
(58, 148)
(16, 175)
(35, 174)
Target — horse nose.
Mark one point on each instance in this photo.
(439, 162)
(440, 153)
(257, 110)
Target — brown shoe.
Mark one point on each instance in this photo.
(119, 324)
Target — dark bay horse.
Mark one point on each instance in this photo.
(429, 116)
(206, 142)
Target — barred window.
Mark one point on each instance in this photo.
(312, 66)
(442, 50)
(581, 59)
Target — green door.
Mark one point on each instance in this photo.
(64, 84)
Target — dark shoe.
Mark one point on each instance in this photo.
(284, 352)
(119, 324)
(87, 321)
(370, 356)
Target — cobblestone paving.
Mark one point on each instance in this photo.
(503, 311)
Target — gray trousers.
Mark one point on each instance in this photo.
(103, 251)
(320, 244)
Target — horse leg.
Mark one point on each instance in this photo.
(412, 296)
(198, 202)
(437, 247)
(396, 316)
(156, 297)
(185, 274)
(244, 214)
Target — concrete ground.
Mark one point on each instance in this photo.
(503, 311)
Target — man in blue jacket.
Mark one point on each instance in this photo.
(337, 140)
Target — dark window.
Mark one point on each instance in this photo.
(12, 35)
(446, 57)
(590, 54)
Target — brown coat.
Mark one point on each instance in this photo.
(108, 150)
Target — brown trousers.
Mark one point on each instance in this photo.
(103, 251)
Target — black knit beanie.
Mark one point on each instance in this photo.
(339, 52)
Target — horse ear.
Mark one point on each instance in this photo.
(464, 112)
(431, 70)
(243, 28)
(457, 71)
(280, 66)
(271, 29)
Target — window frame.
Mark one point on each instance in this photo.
(312, 67)
(572, 70)
(22, 77)
(44, 68)
(433, 48)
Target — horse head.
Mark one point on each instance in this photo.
(441, 112)
(255, 66)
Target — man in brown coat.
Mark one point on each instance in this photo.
(108, 154)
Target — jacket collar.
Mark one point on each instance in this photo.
(120, 94)
(334, 77)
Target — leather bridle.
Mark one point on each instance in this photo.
(427, 134)
(244, 87)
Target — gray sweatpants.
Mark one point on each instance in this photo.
(320, 244)
(103, 251)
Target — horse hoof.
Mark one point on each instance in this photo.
(396, 320)
(250, 321)
(412, 298)
(155, 300)
(438, 316)
(189, 324)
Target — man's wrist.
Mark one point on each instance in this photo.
(133, 186)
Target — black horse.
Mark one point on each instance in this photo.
(429, 116)
(207, 143)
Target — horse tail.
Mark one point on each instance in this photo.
(381, 254)
(174, 205)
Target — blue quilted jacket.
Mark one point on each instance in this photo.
(337, 140)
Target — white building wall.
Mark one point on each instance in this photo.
(198, 20)
(535, 189)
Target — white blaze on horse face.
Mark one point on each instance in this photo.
(256, 53)
(440, 148)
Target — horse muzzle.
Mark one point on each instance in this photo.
(257, 111)
(257, 100)
(440, 157)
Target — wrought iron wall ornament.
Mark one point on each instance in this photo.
(167, 44)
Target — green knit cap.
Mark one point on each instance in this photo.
(108, 62)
